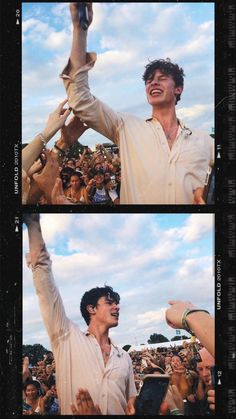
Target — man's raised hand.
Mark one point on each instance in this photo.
(74, 11)
(30, 218)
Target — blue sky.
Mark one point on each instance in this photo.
(148, 258)
(125, 36)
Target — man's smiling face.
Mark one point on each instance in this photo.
(161, 90)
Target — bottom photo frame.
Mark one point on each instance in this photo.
(127, 325)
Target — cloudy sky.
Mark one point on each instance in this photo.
(125, 36)
(147, 258)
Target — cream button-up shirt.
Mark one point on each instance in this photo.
(151, 173)
(78, 356)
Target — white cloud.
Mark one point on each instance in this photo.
(195, 111)
(57, 40)
(195, 227)
(54, 226)
(194, 266)
(61, 10)
(151, 317)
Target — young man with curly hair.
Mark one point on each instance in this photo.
(90, 360)
(162, 160)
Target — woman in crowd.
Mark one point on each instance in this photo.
(76, 192)
(33, 403)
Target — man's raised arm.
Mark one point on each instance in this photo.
(88, 108)
(51, 305)
(79, 42)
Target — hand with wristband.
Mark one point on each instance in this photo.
(197, 321)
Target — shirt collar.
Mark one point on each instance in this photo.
(182, 125)
(87, 333)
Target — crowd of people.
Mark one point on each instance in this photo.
(189, 366)
(53, 177)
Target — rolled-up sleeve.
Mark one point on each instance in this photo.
(88, 108)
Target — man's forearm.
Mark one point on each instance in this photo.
(78, 50)
(31, 152)
(36, 241)
(203, 326)
(79, 42)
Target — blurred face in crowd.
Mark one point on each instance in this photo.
(70, 163)
(175, 361)
(99, 159)
(85, 167)
(48, 369)
(86, 179)
(204, 367)
(167, 360)
(31, 392)
(99, 179)
(98, 166)
(75, 182)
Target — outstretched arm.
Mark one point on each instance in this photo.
(79, 42)
(87, 107)
(201, 323)
(51, 305)
(56, 120)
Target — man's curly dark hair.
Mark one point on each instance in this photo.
(92, 296)
(168, 68)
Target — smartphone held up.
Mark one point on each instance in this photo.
(152, 394)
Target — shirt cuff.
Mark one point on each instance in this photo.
(91, 58)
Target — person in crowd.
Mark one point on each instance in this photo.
(33, 150)
(111, 188)
(70, 163)
(77, 192)
(51, 402)
(88, 360)
(26, 373)
(205, 385)
(182, 377)
(40, 167)
(97, 192)
(33, 402)
(163, 161)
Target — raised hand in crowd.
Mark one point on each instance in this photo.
(25, 186)
(26, 374)
(174, 400)
(71, 132)
(47, 177)
(199, 321)
(211, 399)
(84, 404)
(56, 120)
(57, 195)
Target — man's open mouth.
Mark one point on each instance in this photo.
(154, 92)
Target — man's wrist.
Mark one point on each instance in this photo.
(187, 317)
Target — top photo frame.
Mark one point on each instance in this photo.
(118, 104)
